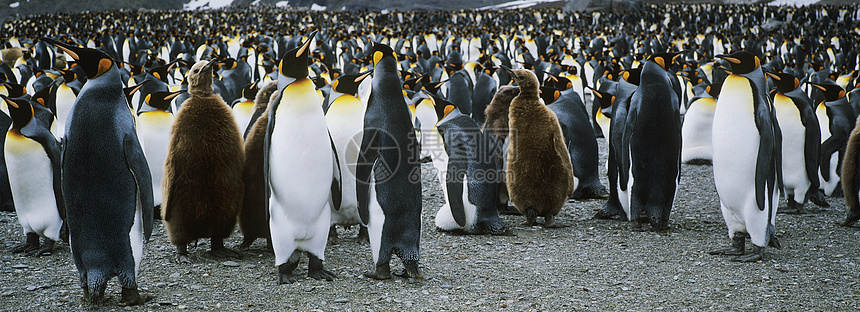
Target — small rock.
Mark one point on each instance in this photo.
(32, 287)
(443, 297)
(341, 300)
(20, 266)
(181, 307)
(447, 286)
(625, 288)
(174, 275)
(196, 287)
(8, 294)
(161, 284)
(690, 280)
(231, 264)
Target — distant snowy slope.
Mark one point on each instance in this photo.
(795, 3)
(206, 4)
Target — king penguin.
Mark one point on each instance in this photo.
(651, 146)
(33, 162)
(851, 177)
(108, 195)
(539, 174)
(243, 108)
(202, 188)
(747, 151)
(696, 130)
(388, 177)
(154, 123)
(801, 137)
(834, 118)
(345, 121)
(469, 175)
(300, 196)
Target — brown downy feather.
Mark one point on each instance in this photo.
(497, 112)
(264, 95)
(203, 187)
(252, 218)
(850, 181)
(539, 172)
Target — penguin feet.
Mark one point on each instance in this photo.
(131, 297)
(224, 252)
(410, 270)
(285, 272)
(47, 249)
(792, 207)
(246, 243)
(756, 255)
(499, 228)
(29, 246)
(531, 217)
(505, 209)
(736, 249)
(549, 222)
(316, 269)
(182, 254)
(363, 237)
(332, 235)
(817, 198)
(383, 272)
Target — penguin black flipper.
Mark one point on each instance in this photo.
(765, 174)
(834, 143)
(336, 179)
(136, 162)
(458, 161)
(624, 163)
(267, 142)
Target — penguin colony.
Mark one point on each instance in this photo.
(290, 131)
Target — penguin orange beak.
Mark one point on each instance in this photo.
(728, 58)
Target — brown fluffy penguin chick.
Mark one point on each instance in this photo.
(253, 223)
(497, 112)
(850, 178)
(539, 172)
(203, 187)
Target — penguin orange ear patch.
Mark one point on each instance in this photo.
(448, 109)
(104, 66)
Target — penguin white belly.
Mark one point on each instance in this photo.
(696, 132)
(377, 220)
(135, 235)
(154, 128)
(735, 152)
(65, 100)
(300, 178)
(346, 124)
(824, 124)
(242, 114)
(444, 217)
(794, 176)
(426, 115)
(31, 180)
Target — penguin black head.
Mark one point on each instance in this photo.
(129, 91)
(348, 84)
(832, 92)
(381, 51)
(200, 78)
(15, 90)
(665, 60)
(632, 75)
(161, 72)
(250, 91)
(161, 99)
(41, 96)
(295, 62)
(549, 94)
(20, 110)
(742, 62)
(605, 99)
(68, 75)
(94, 62)
(443, 107)
(784, 82)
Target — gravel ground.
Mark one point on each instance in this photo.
(595, 265)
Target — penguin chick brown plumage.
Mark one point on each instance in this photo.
(539, 172)
(203, 185)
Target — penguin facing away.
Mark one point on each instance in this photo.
(746, 160)
(388, 184)
(108, 195)
(801, 137)
(300, 197)
(202, 187)
(539, 173)
(345, 121)
(32, 157)
(651, 146)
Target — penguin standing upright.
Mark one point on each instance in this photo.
(243, 108)
(747, 151)
(301, 169)
(851, 177)
(834, 118)
(801, 143)
(470, 177)
(108, 194)
(154, 124)
(33, 161)
(388, 179)
(696, 129)
(539, 174)
(345, 121)
(202, 187)
(651, 146)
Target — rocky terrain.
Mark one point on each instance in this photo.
(595, 265)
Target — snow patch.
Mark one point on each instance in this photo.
(282, 4)
(14, 4)
(795, 3)
(256, 2)
(206, 4)
(515, 4)
(317, 7)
